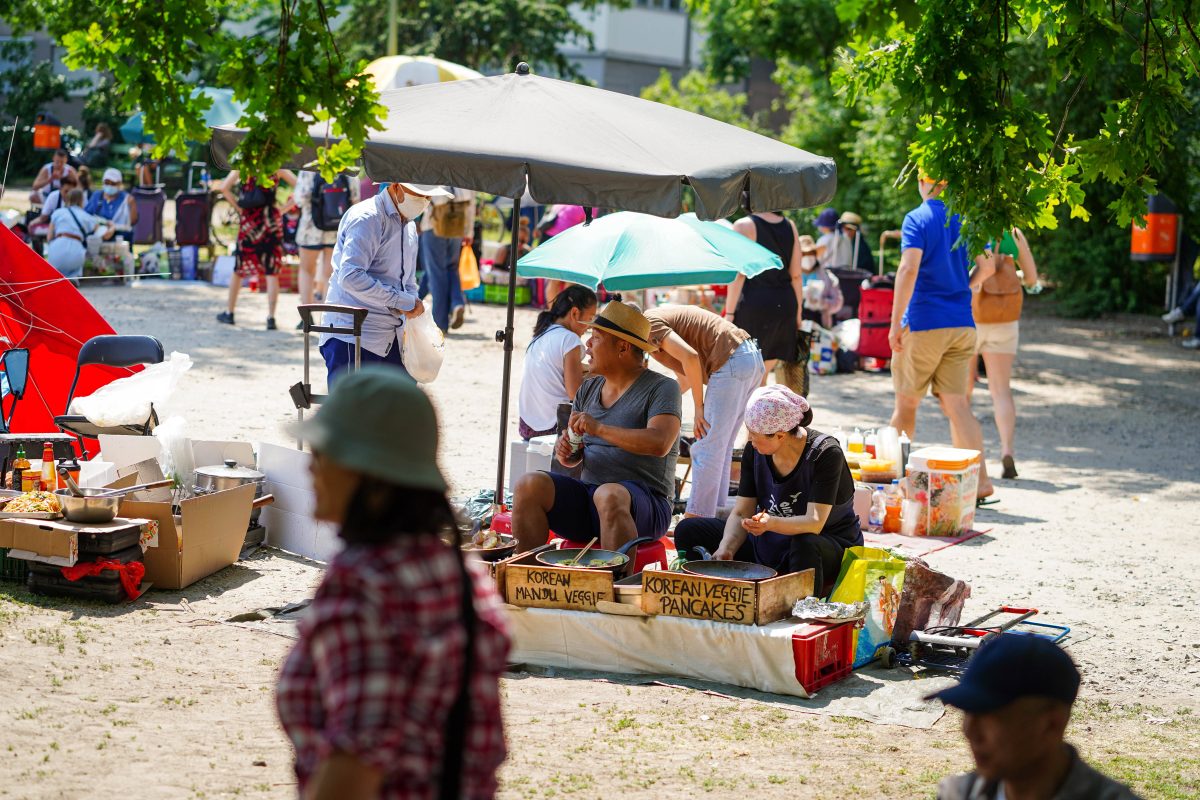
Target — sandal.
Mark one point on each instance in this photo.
(980, 502)
(1010, 468)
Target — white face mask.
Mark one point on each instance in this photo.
(808, 262)
(412, 206)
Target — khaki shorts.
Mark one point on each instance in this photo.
(940, 358)
(997, 337)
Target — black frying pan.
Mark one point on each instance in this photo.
(617, 559)
(732, 570)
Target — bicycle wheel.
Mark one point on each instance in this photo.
(223, 222)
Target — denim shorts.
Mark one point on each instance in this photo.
(574, 515)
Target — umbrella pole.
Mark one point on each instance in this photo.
(506, 336)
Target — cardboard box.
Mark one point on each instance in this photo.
(55, 540)
(205, 537)
(524, 581)
(680, 594)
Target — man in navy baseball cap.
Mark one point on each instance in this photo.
(1016, 698)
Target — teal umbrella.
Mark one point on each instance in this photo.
(223, 111)
(627, 251)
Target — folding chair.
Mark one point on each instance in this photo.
(110, 351)
(15, 364)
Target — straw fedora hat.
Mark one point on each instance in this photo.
(850, 218)
(625, 323)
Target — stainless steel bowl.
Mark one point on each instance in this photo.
(90, 508)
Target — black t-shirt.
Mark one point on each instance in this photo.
(820, 476)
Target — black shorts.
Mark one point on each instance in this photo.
(574, 515)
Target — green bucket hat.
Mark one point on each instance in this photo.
(378, 421)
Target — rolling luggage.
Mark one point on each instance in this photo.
(149, 201)
(193, 208)
(875, 318)
(301, 393)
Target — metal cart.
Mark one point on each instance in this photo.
(950, 648)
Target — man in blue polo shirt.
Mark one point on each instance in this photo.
(932, 333)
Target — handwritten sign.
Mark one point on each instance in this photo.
(676, 594)
(556, 587)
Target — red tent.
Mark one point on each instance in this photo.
(40, 310)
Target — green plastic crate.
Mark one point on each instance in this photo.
(498, 294)
(12, 569)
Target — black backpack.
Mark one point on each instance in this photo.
(330, 202)
(254, 196)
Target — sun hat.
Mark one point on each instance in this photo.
(113, 174)
(807, 245)
(826, 219)
(1009, 667)
(626, 323)
(776, 408)
(850, 218)
(427, 189)
(377, 421)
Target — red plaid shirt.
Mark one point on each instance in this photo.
(378, 666)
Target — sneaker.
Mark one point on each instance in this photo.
(1172, 316)
(270, 323)
(1190, 344)
(225, 317)
(456, 317)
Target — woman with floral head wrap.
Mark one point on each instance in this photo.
(795, 503)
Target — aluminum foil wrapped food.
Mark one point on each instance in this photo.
(816, 608)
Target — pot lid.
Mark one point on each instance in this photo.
(230, 469)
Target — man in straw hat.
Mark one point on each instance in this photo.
(624, 430)
(932, 333)
(375, 267)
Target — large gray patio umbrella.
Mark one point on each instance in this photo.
(569, 143)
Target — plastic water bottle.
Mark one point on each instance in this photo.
(878, 508)
(905, 448)
(204, 178)
(891, 511)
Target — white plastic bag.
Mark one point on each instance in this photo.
(127, 401)
(424, 348)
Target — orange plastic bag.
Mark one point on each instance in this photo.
(468, 269)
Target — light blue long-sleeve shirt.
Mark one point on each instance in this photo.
(375, 267)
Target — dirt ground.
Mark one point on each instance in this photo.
(164, 699)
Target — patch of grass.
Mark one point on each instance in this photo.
(33, 713)
(623, 723)
(1156, 779)
(47, 636)
(777, 779)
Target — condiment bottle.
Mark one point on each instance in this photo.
(855, 442)
(905, 447)
(20, 464)
(49, 468)
(891, 508)
(869, 444)
(72, 465)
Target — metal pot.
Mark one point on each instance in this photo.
(227, 476)
(230, 476)
(94, 506)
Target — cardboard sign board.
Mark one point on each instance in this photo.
(528, 583)
(205, 537)
(679, 594)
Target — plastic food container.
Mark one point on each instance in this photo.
(943, 482)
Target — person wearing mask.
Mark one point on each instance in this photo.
(846, 247)
(67, 235)
(932, 332)
(822, 293)
(375, 267)
(446, 228)
(114, 204)
(260, 238)
(720, 365)
(1016, 697)
(795, 503)
(50, 176)
(627, 417)
(392, 689)
(768, 305)
(316, 245)
(996, 308)
(554, 361)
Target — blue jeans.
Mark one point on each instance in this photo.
(339, 356)
(724, 408)
(439, 256)
(1190, 305)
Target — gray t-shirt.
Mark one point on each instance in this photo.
(650, 395)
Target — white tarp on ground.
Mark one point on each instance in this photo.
(714, 656)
